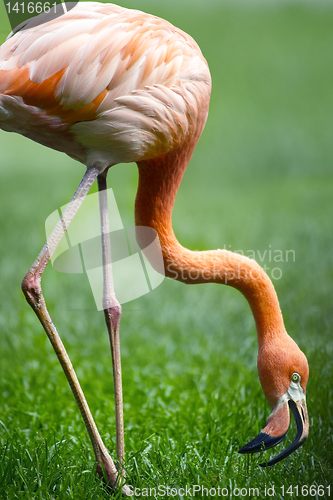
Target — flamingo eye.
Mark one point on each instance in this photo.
(295, 377)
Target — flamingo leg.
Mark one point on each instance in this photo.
(31, 286)
(112, 311)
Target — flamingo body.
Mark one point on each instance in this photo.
(103, 82)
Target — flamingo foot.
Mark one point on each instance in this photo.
(112, 479)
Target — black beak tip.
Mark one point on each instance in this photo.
(285, 453)
(262, 442)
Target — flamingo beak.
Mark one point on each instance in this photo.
(278, 424)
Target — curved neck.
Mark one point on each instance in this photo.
(159, 180)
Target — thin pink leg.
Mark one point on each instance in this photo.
(112, 311)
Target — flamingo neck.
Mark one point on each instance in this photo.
(159, 180)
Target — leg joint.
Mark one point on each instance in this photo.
(114, 311)
(31, 288)
(112, 317)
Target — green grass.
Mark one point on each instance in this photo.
(260, 179)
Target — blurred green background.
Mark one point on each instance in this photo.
(260, 179)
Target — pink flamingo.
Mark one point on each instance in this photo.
(107, 85)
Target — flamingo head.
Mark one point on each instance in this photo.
(283, 372)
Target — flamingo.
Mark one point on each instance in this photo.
(106, 85)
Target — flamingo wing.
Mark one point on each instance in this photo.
(122, 83)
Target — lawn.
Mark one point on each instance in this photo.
(260, 181)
